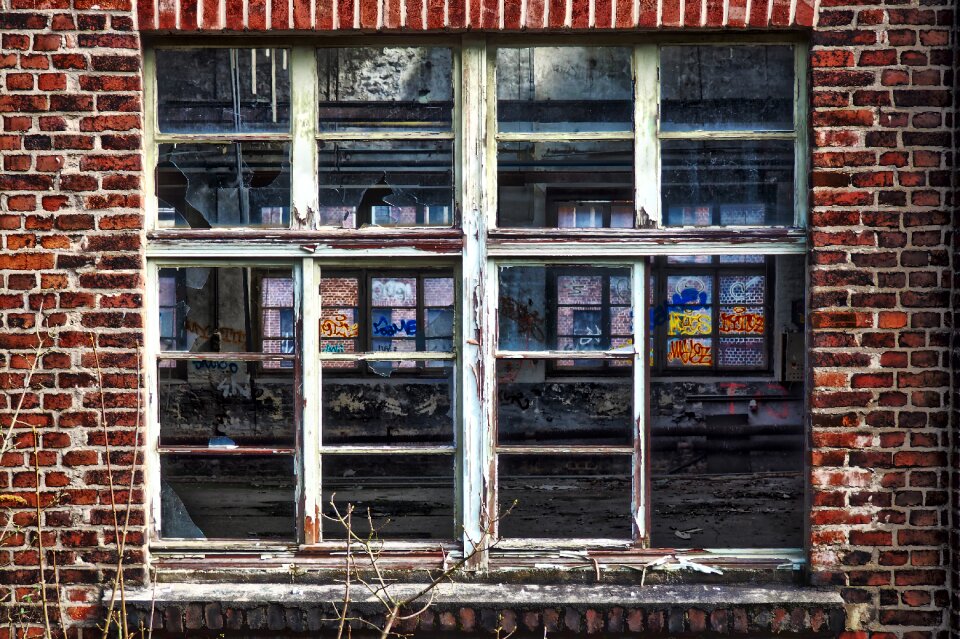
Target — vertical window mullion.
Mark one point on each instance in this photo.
(311, 414)
(641, 363)
(304, 179)
(646, 147)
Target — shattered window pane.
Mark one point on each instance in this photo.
(225, 404)
(386, 89)
(569, 308)
(202, 186)
(726, 88)
(227, 497)
(727, 452)
(536, 408)
(727, 182)
(227, 310)
(209, 90)
(565, 496)
(565, 184)
(372, 410)
(564, 89)
(386, 183)
(406, 496)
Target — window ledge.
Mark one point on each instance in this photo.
(613, 609)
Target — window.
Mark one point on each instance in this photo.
(447, 280)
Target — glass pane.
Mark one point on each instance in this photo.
(537, 408)
(236, 497)
(726, 87)
(385, 89)
(202, 186)
(375, 411)
(742, 289)
(227, 310)
(225, 404)
(727, 440)
(205, 90)
(565, 184)
(575, 308)
(565, 496)
(727, 182)
(566, 89)
(407, 496)
(386, 183)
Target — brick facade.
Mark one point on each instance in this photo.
(881, 257)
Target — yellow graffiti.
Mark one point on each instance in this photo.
(690, 352)
(227, 335)
(690, 322)
(740, 321)
(338, 326)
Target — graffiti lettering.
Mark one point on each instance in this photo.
(384, 328)
(689, 322)
(228, 335)
(529, 321)
(338, 326)
(216, 366)
(333, 348)
(740, 321)
(231, 387)
(690, 352)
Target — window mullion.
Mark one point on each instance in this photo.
(310, 304)
(646, 147)
(304, 179)
(641, 364)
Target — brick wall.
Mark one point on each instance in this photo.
(70, 220)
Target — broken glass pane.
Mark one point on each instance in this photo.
(209, 90)
(225, 404)
(571, 308)
(386, 89)
(537, 408)
(564, 89)
(227, 497)
(227, 310)
(726, 88)
(237, 184)
(727, 449)
(727, 182)
(386, 183)
(371, 410)
(565, 184)
(407, 496)
(565, 496)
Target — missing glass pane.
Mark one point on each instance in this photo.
(209, 90)
(202, 186)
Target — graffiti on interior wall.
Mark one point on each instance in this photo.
(333, 348)
(528, 320)
(739, 320)
(338, 326)
(385, 328)
(233, 367)
(227, 335)
(690, 352)
(690, 322)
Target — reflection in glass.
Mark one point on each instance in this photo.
(727, 182)
(565, 89)
(407, 496)
(215, 90)
(726, 88)
(565, 496)
(225, 404)
(385, 88)
(535, 408)
(386, 183)
(565, 184)
(202, 186)
(235, 497)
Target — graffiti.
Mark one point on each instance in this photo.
(333, 348)
(529, 321)
(232, 387)
(690, 352)
(386, 349)
(740, 290)
(740, 321)
(233, 367)
(517, 399)
(338, 326)
(690, 322)
(392, 292)
(385, 328)
(227, 335)
(691, 290)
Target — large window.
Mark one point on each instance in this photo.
(496, 297)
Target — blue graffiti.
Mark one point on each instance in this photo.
(691, 298)
(385, 328)
(217, 366)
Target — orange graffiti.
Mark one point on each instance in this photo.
(338, 326)
(740, 321)
(691, 352)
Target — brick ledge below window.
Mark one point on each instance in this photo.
(482, 608)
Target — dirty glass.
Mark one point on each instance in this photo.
(727, 182)
(407, 497)
(565, 496)
(385, 89)
(207, 90)
(225, 404)
(535, 408)
(386, 183)
(569, 308)
(227, 497)
(565, 184)
(727, 450)
(374, 410)
(227, 310)
(722, 88)
(242, 184)
(564, 89)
